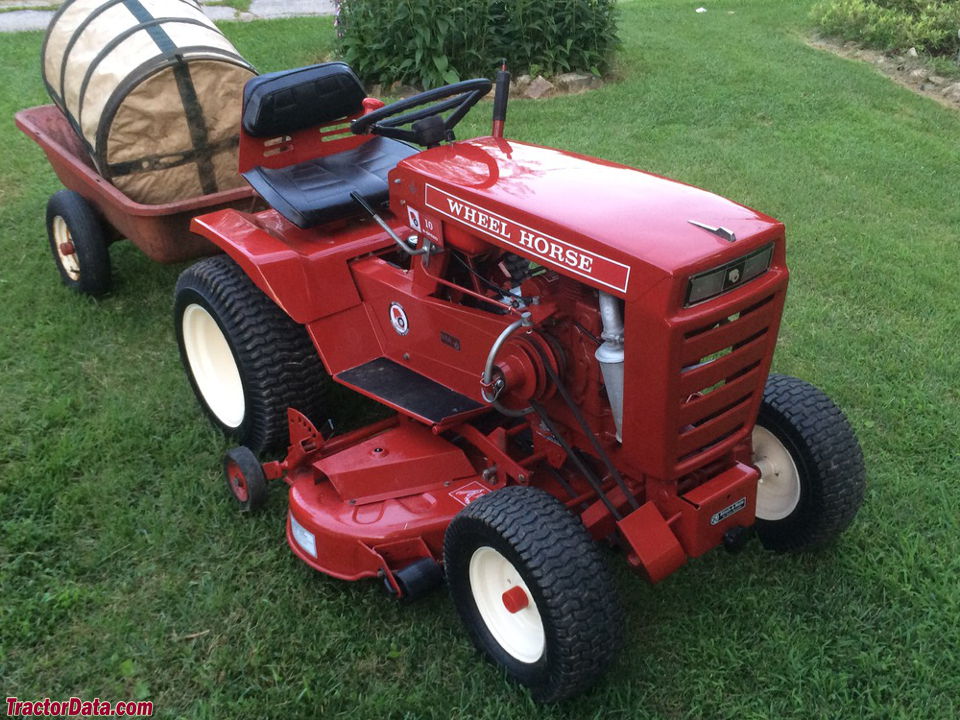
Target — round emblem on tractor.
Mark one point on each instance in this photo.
(398, 318)
(733, 275)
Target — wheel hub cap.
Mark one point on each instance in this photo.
(515, 599)
(238, 483)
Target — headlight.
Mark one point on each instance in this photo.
(711, 283)
(304, 538)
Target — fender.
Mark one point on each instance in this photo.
(307, 273)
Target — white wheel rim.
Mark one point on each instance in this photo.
(778, 491)
(213, 365)
(61, 238)
(519, 633)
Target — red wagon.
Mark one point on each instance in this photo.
(85, 218)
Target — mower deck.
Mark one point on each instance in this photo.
(378, 502)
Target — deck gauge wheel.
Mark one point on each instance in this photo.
(245, 479)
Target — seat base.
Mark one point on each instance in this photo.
(318, 190)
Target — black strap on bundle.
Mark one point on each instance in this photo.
(150, 163)
(203, 151)
(199, 136)
(55, 93)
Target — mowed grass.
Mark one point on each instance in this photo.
(126, 572)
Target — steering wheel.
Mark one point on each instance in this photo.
(461, 96)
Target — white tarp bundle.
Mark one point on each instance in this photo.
(154, 90)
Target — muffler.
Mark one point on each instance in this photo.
(610, 355)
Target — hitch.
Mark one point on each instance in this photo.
(736, 538)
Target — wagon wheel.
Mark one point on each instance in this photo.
(77, 243)
(245, 478)
(247, 360)
(533, 591)
(812, 477)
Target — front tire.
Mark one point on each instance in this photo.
(812, 476)
(533, 591)
(247, 360)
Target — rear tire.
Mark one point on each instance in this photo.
(533, 590)
(812, 476)
(247, 360)
(77, 243)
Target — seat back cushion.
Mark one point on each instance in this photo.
(284, 102)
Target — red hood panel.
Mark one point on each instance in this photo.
(605, 207)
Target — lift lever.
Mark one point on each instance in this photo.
(423, 250)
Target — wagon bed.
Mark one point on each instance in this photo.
(162, 232)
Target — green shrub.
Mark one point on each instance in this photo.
(928, 25)
(433, 42)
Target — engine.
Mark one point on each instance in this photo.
(577, 341)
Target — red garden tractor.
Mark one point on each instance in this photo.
(573, 350)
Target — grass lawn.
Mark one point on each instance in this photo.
(125, 571)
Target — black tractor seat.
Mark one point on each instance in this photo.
(318, 190)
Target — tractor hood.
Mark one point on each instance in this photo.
(618, 228)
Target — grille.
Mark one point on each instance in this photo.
(723, 362)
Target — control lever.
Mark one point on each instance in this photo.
(424, 250)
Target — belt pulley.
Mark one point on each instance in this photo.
(491, 389)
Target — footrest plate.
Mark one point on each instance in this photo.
(407, 391)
